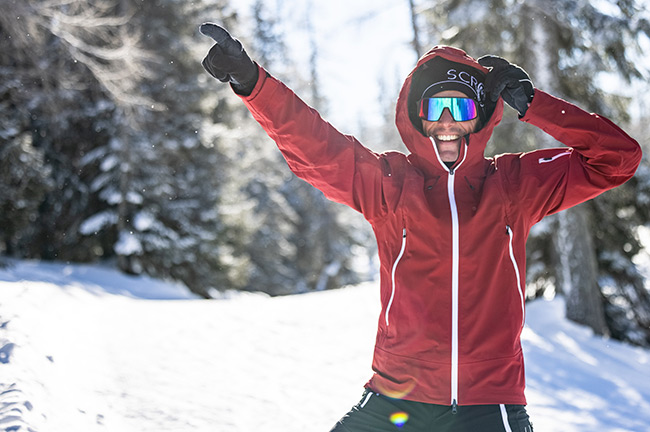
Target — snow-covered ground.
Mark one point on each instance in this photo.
(85, 348)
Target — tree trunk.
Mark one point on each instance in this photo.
(416, 30)
(577, 269)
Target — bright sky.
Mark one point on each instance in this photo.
(360, 43)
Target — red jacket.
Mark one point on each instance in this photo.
(451, 241)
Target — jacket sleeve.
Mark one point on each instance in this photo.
(337, 164)
(599, 157)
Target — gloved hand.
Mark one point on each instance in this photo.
(509, 81)
(227, 60)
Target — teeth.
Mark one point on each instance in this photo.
(447, 137)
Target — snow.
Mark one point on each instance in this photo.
(128, 244)
(642, 259)
(85, 348)
(143, 221)
(96, 222)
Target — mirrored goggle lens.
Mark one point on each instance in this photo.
(461, 109)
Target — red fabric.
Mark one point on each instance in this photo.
(498, 200)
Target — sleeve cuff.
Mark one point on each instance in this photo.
(262, 75)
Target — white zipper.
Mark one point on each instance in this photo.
(454, 289)
(455, 253)
(516, 267)
(392, 276)
(454, 274)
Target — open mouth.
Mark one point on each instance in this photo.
(447, 137)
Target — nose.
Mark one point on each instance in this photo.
(446, 117)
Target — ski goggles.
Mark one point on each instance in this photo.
(461, 109)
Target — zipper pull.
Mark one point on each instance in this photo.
(454, 407)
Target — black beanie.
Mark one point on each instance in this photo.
(439, 74)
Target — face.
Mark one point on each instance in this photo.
(447, 133)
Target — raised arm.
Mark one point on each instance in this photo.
(600, 156)
(337, 164)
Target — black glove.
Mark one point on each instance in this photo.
(509, 81)
(227, 60)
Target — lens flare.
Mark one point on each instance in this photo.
(396, 390)
(399, 419)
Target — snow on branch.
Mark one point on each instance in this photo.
(102, 36)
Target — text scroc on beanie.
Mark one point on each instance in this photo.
(455, 76)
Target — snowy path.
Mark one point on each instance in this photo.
(89, 361)
(86, 357)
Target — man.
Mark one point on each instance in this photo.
(451, 224)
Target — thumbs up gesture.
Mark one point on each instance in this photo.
(227, 60)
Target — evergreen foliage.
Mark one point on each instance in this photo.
(117, 146)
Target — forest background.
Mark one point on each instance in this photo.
(116, 146)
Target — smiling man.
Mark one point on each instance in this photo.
(451, 104)
(449, 117)
(451, 224)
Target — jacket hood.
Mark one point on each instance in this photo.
(423, 151)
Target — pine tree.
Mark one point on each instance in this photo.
(24, 180)
(67, 73)
(105, 112)
(171, 169)
(24, 176)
